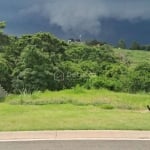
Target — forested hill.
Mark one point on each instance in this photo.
(41, 61)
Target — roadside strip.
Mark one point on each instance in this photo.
(74, 135)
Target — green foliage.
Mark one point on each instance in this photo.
(121, 44)
(34, 58)
(107, 106)
(95, 43)
(4, 39)
(5, 79)
(41, 61)
(112, 77)
(104, 82)
(140, 78)
(3, 93)
(2, 26)
(135, 46)
(34, 70)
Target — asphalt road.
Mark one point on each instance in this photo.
(76, 145)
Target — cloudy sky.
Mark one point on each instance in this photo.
(107, 20)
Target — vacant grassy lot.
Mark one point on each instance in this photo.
(76, 109)
(70, 117)
(81, 97)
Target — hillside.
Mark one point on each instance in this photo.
(135, 57)
(41, 61)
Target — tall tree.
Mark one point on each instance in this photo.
(4, 39)
(135, 46)
(2, 25)
(121, 44)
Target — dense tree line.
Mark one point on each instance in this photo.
(41, 61)
(134, 46)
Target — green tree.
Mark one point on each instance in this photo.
(5, 72)
(140, 78)
(121, 44)
(2, 26)
(34, 70)
(4, 39)
(135, 46)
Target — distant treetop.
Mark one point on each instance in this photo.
(2, 25)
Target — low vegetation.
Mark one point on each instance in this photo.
(70, 117)
(81, 97)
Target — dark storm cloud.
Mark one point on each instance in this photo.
(71, 16)
(86, 15)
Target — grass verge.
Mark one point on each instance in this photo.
(70, 117)
(76, 109)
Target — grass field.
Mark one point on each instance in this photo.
(70, 117)
(134, 56)
(82, 97)
(75, 109)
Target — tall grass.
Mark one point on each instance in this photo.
(79, 96)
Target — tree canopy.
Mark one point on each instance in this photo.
(41, 61)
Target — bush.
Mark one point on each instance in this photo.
(140, 78)
(104, 82)
(107, 106)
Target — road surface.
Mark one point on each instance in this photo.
(76, 145)
(75, 140)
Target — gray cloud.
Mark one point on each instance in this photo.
(85, 15)
(80, 16)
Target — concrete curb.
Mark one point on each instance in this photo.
(74, 135)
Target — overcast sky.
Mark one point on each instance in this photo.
(108, 20)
